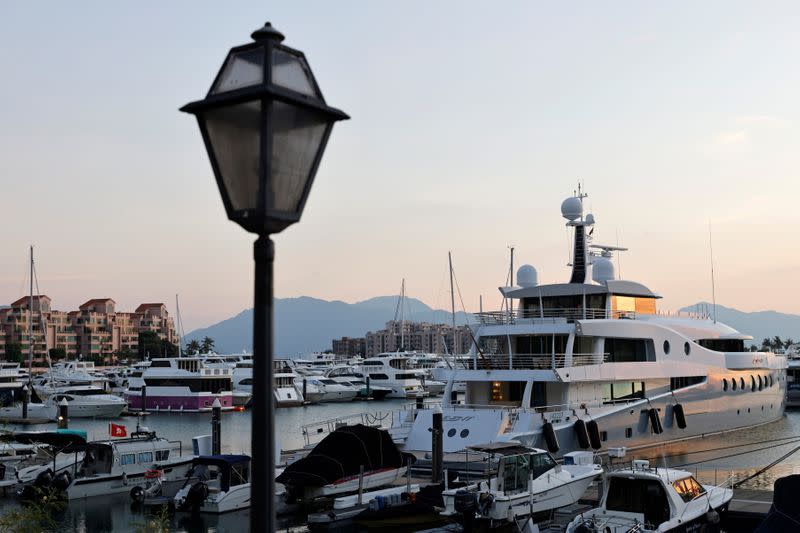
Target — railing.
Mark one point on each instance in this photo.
(528, 316)
(316, 431)
(520, 361)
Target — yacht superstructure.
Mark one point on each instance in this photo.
(591, 363)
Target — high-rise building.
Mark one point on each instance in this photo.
(95, 330)
(418, 336)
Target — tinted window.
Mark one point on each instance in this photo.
(127, 459)
(378, 376)
(644, 496)
(688, 489)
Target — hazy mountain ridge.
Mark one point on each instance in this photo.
(307, 324)
(759, 324)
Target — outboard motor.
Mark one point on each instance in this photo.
(466, 503)
(196, 496)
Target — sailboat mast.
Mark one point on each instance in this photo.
(30, 323)
(403, 314)
(179, 327)
(452, 301)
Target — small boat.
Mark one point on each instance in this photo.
(348, 375)
(642, 499)
(323, 390)
(87, 401)
(528, 481)
(216, 484)
(345, 459)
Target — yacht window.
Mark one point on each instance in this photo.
(146, 457)
(516, 470)
(378, 376)
(405, 376)
(770, 380)
(760, 384)
(679, 383)
(162, 455)
(688, 489)
(722, 345)
(127, 459)
(541, 463)
(686, 348)
(246, 381)
(666, 347)
(724, 384)
(623, 391)
(752, 384)
(159, 364)
(741, 383)
(328, 382)
(629, 350)
(733, 384)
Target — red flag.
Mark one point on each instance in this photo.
(118, 431)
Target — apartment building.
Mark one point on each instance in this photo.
(417, 336)
(96, 329)
(350, 346)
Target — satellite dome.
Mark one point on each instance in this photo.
(590, 219)
(572, 208)
(602, 269)
(527, 276)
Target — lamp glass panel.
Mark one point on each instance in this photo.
(297, 136)
(234, 134)
(242, 69)
(292, 72)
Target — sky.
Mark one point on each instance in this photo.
(470, 123)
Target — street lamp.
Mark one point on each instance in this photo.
(265, 125)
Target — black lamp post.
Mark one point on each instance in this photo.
(265, 125)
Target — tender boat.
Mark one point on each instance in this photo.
(216, 484)
(528, 481)
(347, 375)
(642, 499)
(323, 390)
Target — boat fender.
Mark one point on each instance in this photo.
(550, 437)
(125, 479)
(680, 417)
(137, 494)
(594, 434)
(581, 434)
(655, 421)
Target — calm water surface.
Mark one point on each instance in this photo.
(762, 445)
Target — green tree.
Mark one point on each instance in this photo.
(766, 344)
(149, 344)
(207, 345)
(777, 343)
(14, 353)
(57, 354)
(168, 349)
(788, 342)
(192, 347)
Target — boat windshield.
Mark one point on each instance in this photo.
(688, 489)
(644, 496)
(514, 473)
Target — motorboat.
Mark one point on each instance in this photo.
(528, 481)
(593, 363)
(346, 459)
(87, 401)
(115, 466)
(642, 499)
(793, 381)
(396, 372)
(324, 390)
(12, 380)
(348, 375)
(216, 484)
(180, 384)
(68, 373)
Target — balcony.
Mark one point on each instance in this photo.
(544, 316)
(519, 361)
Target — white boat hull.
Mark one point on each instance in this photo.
(107, 484)
(374, 479)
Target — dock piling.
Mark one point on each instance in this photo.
(216, 428)
(437, 446)
(144, 398)
(25, 401)
(63, 414)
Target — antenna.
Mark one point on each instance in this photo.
(713, 285)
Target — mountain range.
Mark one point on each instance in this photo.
(305, 324)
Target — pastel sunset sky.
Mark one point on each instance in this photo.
(471, 122)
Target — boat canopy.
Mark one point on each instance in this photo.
(60, 438)
(342, 453)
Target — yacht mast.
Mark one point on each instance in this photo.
(30, 324)
(403, 314)
(452, 301)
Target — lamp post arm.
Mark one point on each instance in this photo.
(262, 514)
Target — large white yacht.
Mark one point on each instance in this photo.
(592, 363)
(395, 371)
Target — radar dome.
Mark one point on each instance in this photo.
(572, 208)
(527, 276)
(602, 269)
(590, 219)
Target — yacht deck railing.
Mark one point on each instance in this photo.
(523, 361)
(531, 316)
